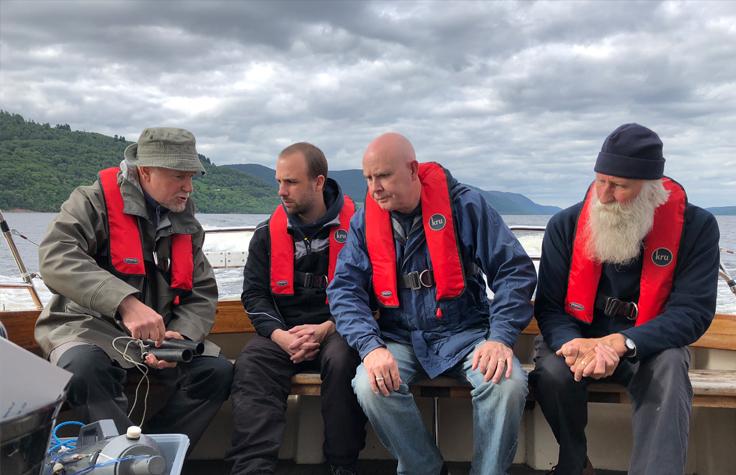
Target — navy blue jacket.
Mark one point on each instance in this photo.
(487, 247)
(689, 309)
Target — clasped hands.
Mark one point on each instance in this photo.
(302, 342)
(595, 358)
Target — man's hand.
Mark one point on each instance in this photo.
(297, 347)
(141, 320)
(315, 333)
(599, 362)
(494, 360)
(284, 339)
(383, 372)
(307, 351)
(156, 363)
(576, 348)
(309, 339)
(617, 341)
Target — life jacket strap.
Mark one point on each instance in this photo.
(613, 307)
(309, 280)
(417, 280)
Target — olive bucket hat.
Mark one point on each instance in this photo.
(165, 147)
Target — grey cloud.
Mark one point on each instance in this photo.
(513, 96)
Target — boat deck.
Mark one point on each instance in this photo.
(367, 467)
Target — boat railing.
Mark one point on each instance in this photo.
(227, 259)
(24, 274)
(231, 229)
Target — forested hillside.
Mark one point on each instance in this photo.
(41, 164)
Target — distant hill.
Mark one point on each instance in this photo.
(353, 183)
(723, 210)
(515, 203)
(40, 165)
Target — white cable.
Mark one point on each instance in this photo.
(143, 368)
(266, 314)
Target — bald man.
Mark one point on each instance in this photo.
(421, 251)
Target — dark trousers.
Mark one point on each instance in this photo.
(181, 400)
(261, 387)
(661, 397)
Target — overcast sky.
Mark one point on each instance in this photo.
(510, 96)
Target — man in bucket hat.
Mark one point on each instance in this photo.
(627, 280)
(124, 260)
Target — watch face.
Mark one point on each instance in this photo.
(630, 347)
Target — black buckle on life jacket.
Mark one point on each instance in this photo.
(614, 307)
(417, 279)
(315, 281)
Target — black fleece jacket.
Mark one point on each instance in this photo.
(269, 312)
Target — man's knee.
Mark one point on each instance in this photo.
(258, 359)
(362, 387)
(360, 381)
(93, 373)
(509, 390)
(216, 374)
(340, 363)
(670, 367)
(551, 374)
(671, 359)
(84, 360)
(514, 388)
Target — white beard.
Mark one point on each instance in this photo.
(617, 230)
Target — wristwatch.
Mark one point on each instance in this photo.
(630, 348)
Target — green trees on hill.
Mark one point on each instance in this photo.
(40, 165)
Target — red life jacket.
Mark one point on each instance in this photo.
(661, 246)
(125, 247)
(282, 247)
(439, 231)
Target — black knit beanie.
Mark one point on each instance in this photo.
(631, 151)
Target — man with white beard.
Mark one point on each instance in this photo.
(627, 280)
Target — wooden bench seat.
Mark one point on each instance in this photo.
(711, 387)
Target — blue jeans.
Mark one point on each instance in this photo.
(497, 412)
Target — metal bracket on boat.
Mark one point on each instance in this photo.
(727, 277)
(24, 274)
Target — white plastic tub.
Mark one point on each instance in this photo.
(173, 449)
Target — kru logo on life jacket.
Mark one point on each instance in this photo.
(662, 257)
(125, 245)
(282, 247)
(341, 236)
(439, 232)
(657, 273)
(437, 222)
